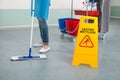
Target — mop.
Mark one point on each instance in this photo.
(30, 57)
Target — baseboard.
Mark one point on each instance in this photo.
(115, 17)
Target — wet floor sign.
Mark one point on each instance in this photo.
(86, 48)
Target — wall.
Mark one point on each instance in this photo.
(115, 9)
(17, 12)
(25, 4)
(18, 17)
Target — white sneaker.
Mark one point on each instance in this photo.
(43, 50)
(37, 45)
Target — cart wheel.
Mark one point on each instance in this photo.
(74, 39)
(101, 36)
(62, 36)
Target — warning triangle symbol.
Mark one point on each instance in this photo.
(86, 42)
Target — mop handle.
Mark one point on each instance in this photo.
(71, 8)
(87, 1)
(32, 22)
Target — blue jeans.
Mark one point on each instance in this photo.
(43, 27)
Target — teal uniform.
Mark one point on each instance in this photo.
(41, 8)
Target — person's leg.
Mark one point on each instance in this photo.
(44, 33)
(39, 43)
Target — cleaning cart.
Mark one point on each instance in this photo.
(96, 8)
(70, 25)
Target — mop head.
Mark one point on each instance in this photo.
(22, 58)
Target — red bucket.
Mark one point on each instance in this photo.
(72, 26)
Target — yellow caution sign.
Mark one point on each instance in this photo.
(86, 48)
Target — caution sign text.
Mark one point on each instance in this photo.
(87, 30)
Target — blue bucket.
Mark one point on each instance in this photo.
(62, 24)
